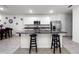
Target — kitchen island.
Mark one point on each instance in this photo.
(44, 38)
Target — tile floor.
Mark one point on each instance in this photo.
(71, 46)
(9, 46)
(40, 51)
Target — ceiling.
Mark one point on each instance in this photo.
(37, 9)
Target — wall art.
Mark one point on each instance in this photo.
(10, 21)
(14, 17)
(4, 22)
(21, 19)
(6, 17)
(16, 23)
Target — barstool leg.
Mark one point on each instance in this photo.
(30, 50)
(52, 43)
(11, 33)
(59, 46)
(1, 36)
(36, 49)
(30, 47)
(36, 44)
(54, 48)
(6, 35)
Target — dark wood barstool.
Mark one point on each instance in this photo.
(33, 42)
(3, 33)
(56, 42)
(9, 31)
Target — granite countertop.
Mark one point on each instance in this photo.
(39, 32)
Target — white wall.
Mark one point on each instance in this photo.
(2, 20)
(68, 24)
(76, 24)
(45, 19)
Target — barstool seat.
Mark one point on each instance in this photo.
(56, 42)
(33, 42)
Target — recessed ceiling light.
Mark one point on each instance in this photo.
(30, 11)
(51, 11)
(2, 9)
